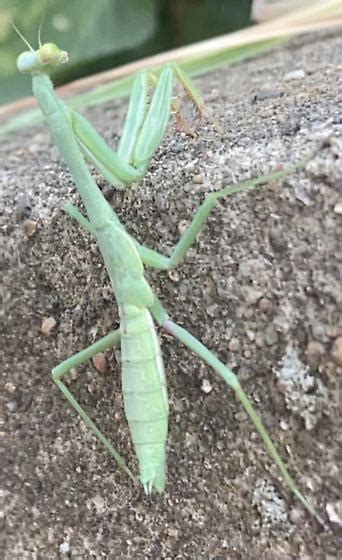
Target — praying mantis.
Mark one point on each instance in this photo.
(143, 378)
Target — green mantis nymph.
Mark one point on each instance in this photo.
(143, 379)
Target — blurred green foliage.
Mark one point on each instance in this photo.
(102, 34)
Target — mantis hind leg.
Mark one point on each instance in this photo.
(62, 369)
(231, 379)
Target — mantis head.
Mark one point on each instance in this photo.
(39, 61)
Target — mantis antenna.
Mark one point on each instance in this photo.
(42, 19)
(22, 36)
(40, 33)
(39, 30)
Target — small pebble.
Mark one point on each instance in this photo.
(198, 179)
(234, 345)
(338, 208)
(23, 208)
(29, 227)
(241, 416)
(314, 351)
(190, 439)
(64, 547)
(251, 295)
(284, 425)
(107, 293)
(206, 386)
(173, 532)
(334, 511)
(183, 226)
(294, 75)
(266, 93)
(265, 305)
(315, 348)
(271, 335)
(255, 527)
(100, 363)
(12, 406)
(48, 325)
(296, 516)
(337, 118)
(266, 113)
(220, 445)
(336, 351)
(250, 335)
(259, 340)
(319, 331)
(176, 147)
(174, 275)
(10, 388)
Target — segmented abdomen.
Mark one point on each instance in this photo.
(145, 394)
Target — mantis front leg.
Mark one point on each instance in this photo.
(112, 339)
(144, 128)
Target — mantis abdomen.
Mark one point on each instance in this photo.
(143, 378)
(144, 392)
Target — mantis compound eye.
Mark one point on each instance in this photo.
(49, 53)
(26, 61)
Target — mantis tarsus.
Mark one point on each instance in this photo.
(143, 380)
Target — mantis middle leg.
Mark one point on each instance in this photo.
(112, 339)
(160, 315)
(153, 258)
(157, 260)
